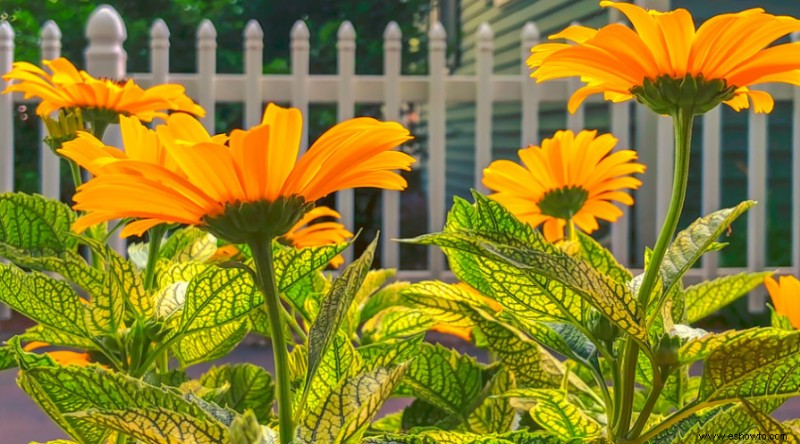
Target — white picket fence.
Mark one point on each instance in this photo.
(105, 56)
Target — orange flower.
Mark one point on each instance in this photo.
(144, 148)
(664, 61)
(569, 179)
(62, 357)
(785, 297)
(69, 88)
(303, 235)
(253, 184)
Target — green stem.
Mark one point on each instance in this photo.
(572, 236)
(682, 123)
(75, 170)
(652, 398)
(265, 271)
(293, 324)
(156, 233)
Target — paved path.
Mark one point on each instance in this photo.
(21, 421)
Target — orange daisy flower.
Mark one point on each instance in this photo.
(665, 62)
(785, 297)
(571, 178)
(62, 357)
(69, 87)
(304, 234)
(253, 184)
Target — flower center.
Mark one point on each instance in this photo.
(241, 222)
(563, 203)
(666, 95)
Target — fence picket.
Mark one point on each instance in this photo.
(437, 50)
(346, 46)
(6, 124)
(392, 47)
(530, 91)
(207, 70)
(712, 141)
(620, 230)
(49, 169)
(300, 53)
(757, 146)
(159, 51)
(483, 103)
(253, 64)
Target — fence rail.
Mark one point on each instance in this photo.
(106, 57)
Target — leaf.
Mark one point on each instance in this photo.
(446, 379)
(170, 300)
(42, 333)
(709, 296)
(334, 308)
(7, 359)
(218, 296)
(372, 283)
(395, 322)
(339, 361)
(613, 300)
(64, 390)
(157, 425)
(514, 289)
(292, 264)
(690, 244)
(448, 437)
(188, 244)
(565, 339)
(699, 348)
(245, 429)
(732, 419)
(522, 357)
(758, 367)
(345, 412)
(37, 225)
(554, 413)
(444, 303)
(770, 427)
(390, 353)
(602, 260)
(210, 343)
(168, 273)
(46, 300)
(388, 296)
(251, 388)
(494, 414)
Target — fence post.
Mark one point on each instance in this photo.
(530, 91)
(159, 52)
(346, 48)
(437, 38)
(6, 124)
(105, 57)
(253, 65)
(300, 54)
(392, 47)
(483, 103)
(207, 70)
(49, 163)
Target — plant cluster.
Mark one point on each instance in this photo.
(582, 350)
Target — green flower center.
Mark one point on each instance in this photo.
(242, 222)
(563, 203)
(667, 95)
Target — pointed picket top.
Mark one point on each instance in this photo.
(437, 32)
(392, 32)
(485, 33)
(206, 30)
(159, 30)
(253, 31)
(105, 26)
(50, 31)
(300, 30)
(530, 32)
(6, 31)
(346, 31)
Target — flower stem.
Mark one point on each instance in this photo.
(75, 170)
(652, 398)
(156, 233)
(571, 234)
(265, 272)
(682, 124)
